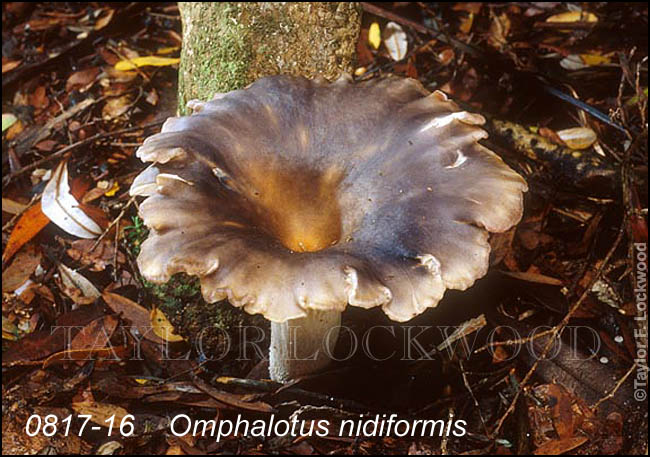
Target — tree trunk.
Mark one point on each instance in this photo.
(227, 46)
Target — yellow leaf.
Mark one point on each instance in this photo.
(113, 190)
(168, 50)
(573, 16)
(374, 35)
(595, 59)
(162, 327)
(466, 23)
(124, 65)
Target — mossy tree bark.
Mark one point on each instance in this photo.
(228, 45)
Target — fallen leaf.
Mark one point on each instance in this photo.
(100, 413)
(79, 355)
(395, 40)
(12, 207)
(578, 137)
(93, 194)
(46, 145)
(8, 120)
(113, 190)
(499, 30)
(15, 130)
(595, 59)
(374, 35)
(155, 61)
(42, 343)
(10, 65)
(9, 330)
(238, 401)
(557, 447)
(21, 268)
(96, 334)
(105, 19)
(115, 107)
(77, 287)
(168, 50)
(162, 327)
(152, 97)
(96, 259)
(446, 56)
(109, 448)
(63, 209)
(138, 315)
(81, 79)
(466, 23)
(573, 16)
(470, 7)
(30, 223)
(38, 99)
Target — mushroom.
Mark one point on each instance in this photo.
(295, 198)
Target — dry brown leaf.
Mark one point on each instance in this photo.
(137, 315)
(470, 7)
(77, 287)
(557, 447)
(105, 19)
(82, 79)
(115, 107)
(46, 145)
(101, 412)
(38, 99)
(97, 259)
(499, 30)
(12, 207)
(113, 353)
(21, 268)
(96, 334)
(9, 65)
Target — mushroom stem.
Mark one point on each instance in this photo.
(302, 346)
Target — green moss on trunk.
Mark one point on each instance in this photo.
(227, 46)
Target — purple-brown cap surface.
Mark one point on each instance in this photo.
(293, 194)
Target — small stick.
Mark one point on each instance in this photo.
(71, 147)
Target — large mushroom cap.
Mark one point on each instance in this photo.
(294, 194)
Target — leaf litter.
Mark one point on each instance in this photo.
(565, 94)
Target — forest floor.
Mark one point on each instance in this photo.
(552, 355)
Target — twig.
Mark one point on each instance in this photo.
(45, 131)
(34, 199)
(58, 154)
(113, 222)
(274, 387)
(615, 389)
(471, 392)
